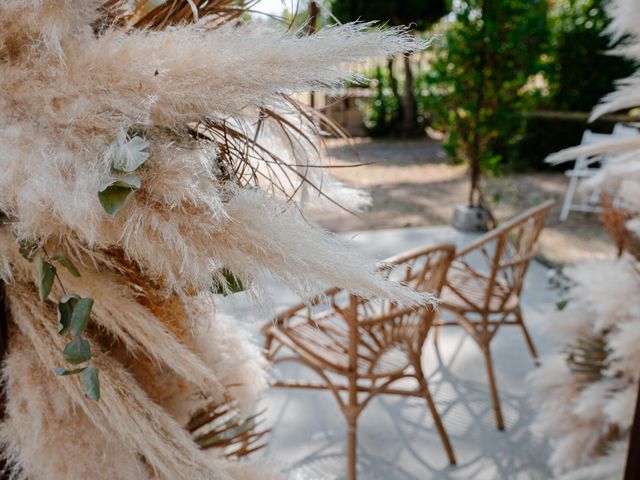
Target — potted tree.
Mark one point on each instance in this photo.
(483, 61)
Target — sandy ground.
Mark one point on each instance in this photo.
(412, 185)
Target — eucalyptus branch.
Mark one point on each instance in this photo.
(44, 250)
(74, 313)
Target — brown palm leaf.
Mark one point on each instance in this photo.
(221, 426)
(158, 14)
(587, 357)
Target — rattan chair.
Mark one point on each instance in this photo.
(360, 348)
(484, 284)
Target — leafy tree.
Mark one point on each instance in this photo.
(419, 13)
(580, 71)
(484, 61)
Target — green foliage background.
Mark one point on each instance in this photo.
(391, 111)
(482, 65)
(578, 69)
(538, 55)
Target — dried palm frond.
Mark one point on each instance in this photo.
(222, 427)
(587, 357)
(246, 160)
(171, 12)
(157, 14)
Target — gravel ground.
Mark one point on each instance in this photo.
(412, 185)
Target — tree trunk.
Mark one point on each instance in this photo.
(475, 159)
(410, 118)
(475, 192)
(393, 83)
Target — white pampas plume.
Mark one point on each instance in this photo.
(276, 238)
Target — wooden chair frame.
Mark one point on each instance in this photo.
(347, 338)
(483, 300)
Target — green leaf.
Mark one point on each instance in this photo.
(65, 310)
(46, 277)
(77, 351)
(114, 195)
(128, 157)
(80, 316)
(232, 284)
(561, 305)
(28, 249)
(91, 382)
(65, 372)
(66, 263)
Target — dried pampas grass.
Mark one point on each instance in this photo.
(586, 393)
(227, 162)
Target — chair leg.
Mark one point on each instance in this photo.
(352, 434)
(424, 386)
(436, 328)
(351, 413)
(527, 337)
(568, 199)
(268, 339)
(495, 399)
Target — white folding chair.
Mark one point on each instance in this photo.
(585, 168)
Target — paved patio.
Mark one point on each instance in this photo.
(397, 438)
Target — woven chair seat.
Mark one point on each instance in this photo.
(326, 344)
(467, 293)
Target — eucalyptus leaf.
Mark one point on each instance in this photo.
(64, 372)
(91, 382)
(115, 194)
(80, 316)
(232, 284)
(128, 157)
(28, 249)
(77, 351)
(65, 310)
(66, 263)
(46, 277)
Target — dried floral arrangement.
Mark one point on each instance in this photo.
(587, 392)
(152, 158)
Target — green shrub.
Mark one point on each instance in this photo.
(544, 135)
(579, 70)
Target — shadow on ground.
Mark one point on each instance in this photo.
(398, 440)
